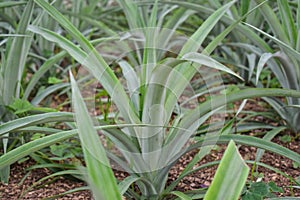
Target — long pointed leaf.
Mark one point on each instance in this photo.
(196, 40)
(31, 147)
(249, 141)
(100, 174)
(16, 57)
(35, 119)
(92, 60)
(230, 176)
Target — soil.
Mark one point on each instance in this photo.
(21, 180)
(23, 185)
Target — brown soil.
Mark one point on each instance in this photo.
(21, 180)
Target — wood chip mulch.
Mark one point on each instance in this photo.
(21, 179)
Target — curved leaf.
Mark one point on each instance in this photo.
(33, 146)
(209, 62)
(35, 119)
(181, 195)
(249, 141)
(126, 183)
(41, 71)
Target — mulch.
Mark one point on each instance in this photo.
(23, 183)
(21, 180)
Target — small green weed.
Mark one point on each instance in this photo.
(285, 138)
(260, 190)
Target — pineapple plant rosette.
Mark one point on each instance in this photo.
(152, 128)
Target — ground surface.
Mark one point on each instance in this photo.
(21, 180)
